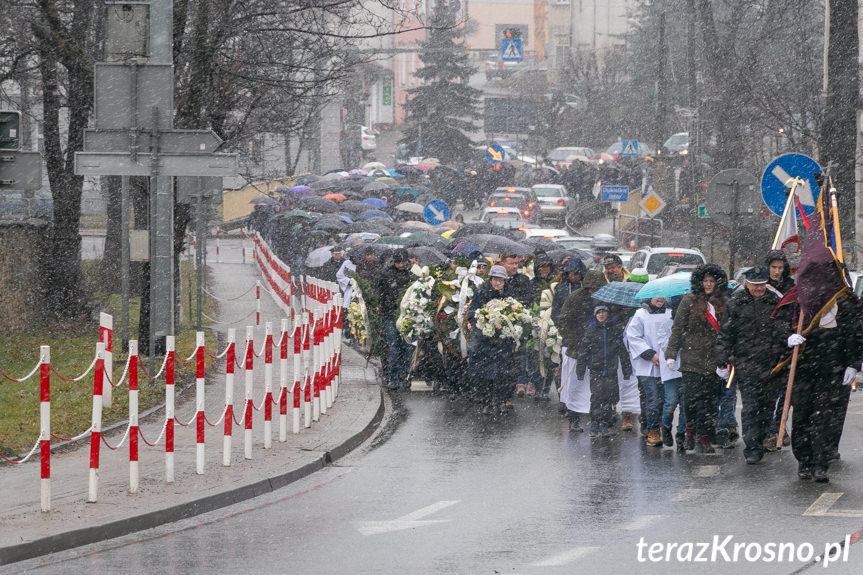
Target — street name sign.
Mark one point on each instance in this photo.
(614, 193)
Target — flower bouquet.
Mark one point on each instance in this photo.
(505, 318)
(357, 323)
(417, 313)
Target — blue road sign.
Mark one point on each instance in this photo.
(510, 49)
(775, 182)
(494, 154)
(436, 212)
(614, 193)
(629, 148)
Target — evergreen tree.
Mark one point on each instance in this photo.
(444, 108)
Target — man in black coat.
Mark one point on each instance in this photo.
(390, 289)
(779, 283)
(752, 341)
(518, 285)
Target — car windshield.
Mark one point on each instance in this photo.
(659, 261)
(548, 192)
(576, 243)
(508, 200)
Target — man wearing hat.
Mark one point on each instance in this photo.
(751, 341)
(613, 269)
(328, 271)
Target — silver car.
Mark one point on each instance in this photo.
(553, 201)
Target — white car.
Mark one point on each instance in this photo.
(575, 242)
(550, 233)
(561, 156)
(368, 140)
(502, 213)
(655, 259)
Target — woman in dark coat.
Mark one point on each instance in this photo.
(568, 281)
(693, 335)
(489, 358)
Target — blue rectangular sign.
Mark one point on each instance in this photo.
(510, 49)
(614, 193)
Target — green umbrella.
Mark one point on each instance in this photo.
(297, 214)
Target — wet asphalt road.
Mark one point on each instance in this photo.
(451, 491)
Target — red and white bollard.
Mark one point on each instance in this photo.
(283, 382)
(45, 425)
(218, 243)
(106, 335)
(243, 231)
(316, 369)
(133, 416)
(307, 367)
(298, 374)
(257, 303)
(331, 358)
(169, 409)
(229, 397)
(250, 381)
(96, 430)
(268, 385)
(337, 379)
(200, 402)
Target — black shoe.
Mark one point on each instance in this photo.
(834, 456)
(704, 445)
(575, 424)
(667, 437)
(754, 458)
(679, 438)
(732, 433)
(723, 440)
(819, 475)
(804, 472)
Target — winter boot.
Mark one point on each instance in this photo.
(722, 439)
(733, 435)
(689, 441)
(626, 421)
(679, 438)
(594, 430)
(575, 423)
(653, 438)
(667, 437)
(704, 446)
(519, 390)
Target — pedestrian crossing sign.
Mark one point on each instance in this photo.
(510, 49)
(629, 148)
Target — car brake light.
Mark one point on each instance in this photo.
(548, 236)
(561, 202)
(510, 190)
(530, 204)
(501, 212)
(526, 212)
(676, 255)
(506, 199)
(491, 204)
(523, 229)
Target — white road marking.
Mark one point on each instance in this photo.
(689, 494)
(706, 471)
(643, 522)
(822, 505)
(566, 557)
(409, 521)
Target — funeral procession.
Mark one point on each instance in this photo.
(431, 287)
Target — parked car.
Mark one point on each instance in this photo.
(655, 259)
(550, 233)
(575, 242)
(501, 213)
(368, 138)
(497, 68)
(522, 198)
(561, 156)
(677, 144)
(553, 201)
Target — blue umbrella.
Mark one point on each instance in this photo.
(372, 215)
(346, 218)
(376, 202)
(669, 286)
(394, 174)
(620, 293)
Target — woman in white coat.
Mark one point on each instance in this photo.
(646, 336)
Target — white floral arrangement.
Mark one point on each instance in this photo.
(357, 323)
(417, 313)
(551, 346)
(505, 318)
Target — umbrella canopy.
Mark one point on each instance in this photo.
(335, 197)
(376, 202)
(319, 257)
(297, 214)
(373, 227)
(372, 215)
(491, 244)
(332, 176)
(425, 167)
(620, 293)
(406, 191)
(321, 185)
(538, 243)
(375, 187)
(329, 224)
(360, 237)
(427, 239)
(354, 206)
(407, 170)
(318, 204)
(388, 181)
(410, 207)
(669, 286)
(374, 166)
(472, 228)
(263, 201)
(427, 255)
(546, 169)
(417, 225)
(394, 174)
(558, 255)
(297, 189)
(419, 189)
(358, 172)
(307, 179)
(378, 173)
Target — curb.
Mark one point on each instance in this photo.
(86, 536)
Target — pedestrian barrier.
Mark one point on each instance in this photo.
(310, 336)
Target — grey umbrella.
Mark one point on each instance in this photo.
(375, 187)
(427, 255)
(318, 204)
(490, 244)
(319, 257)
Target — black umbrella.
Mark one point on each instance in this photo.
(558, 255)
(354, 206)
(306, 180)
(472, 228)
(490, 244)
(318, 204)
(323, 185)
(375, 227)
(420, 189)
(408, 170)
(330, 224)
(539, 243)
(427, 255)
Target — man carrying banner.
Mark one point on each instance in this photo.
(828, 323)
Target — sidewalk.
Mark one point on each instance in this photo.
(25, 532)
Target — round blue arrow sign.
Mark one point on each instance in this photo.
(776, 181)
(494, 154)
(436, 212)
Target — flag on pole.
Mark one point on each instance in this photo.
(787, 233)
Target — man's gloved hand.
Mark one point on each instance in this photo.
(795, 339)
(670, 364)
(850, 376)
(722, 372)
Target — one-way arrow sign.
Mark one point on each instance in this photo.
(408, 521)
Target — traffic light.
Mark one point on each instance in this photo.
(512, 33)
(10, 131)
